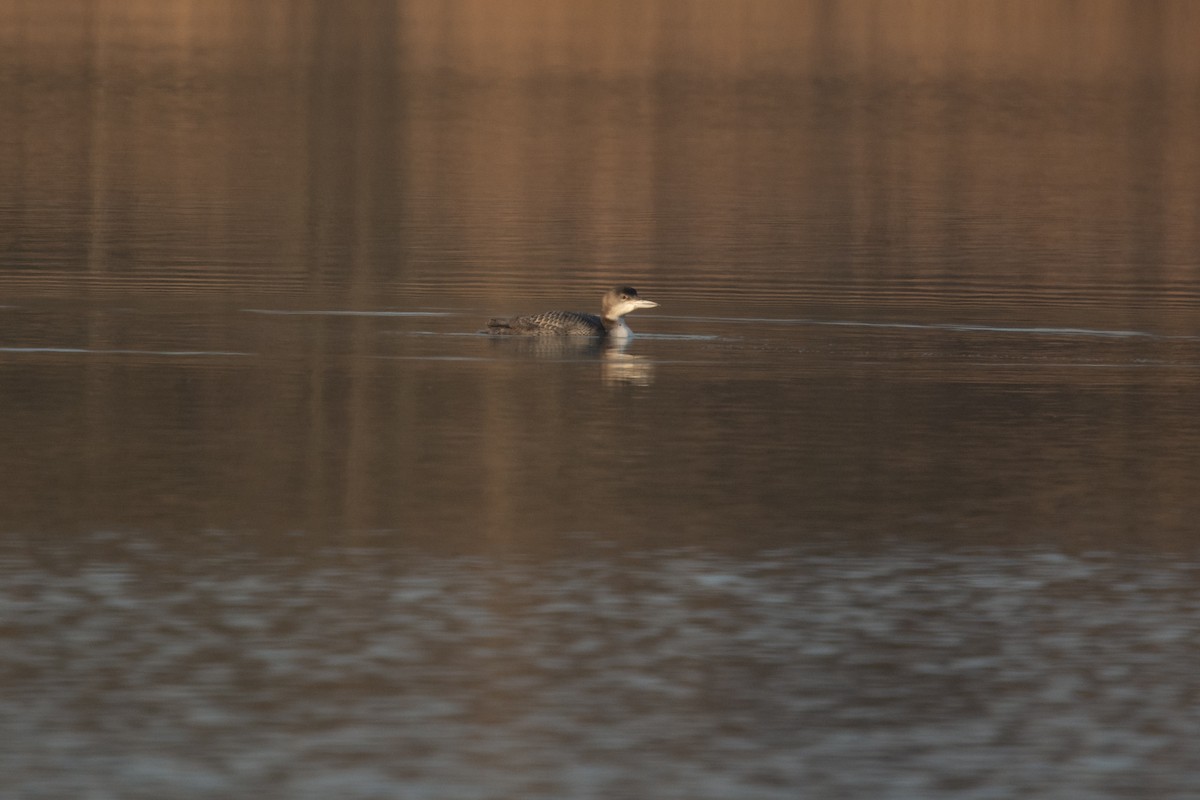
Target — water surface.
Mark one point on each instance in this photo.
(892, 496)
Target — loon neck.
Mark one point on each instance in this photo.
(616, 327)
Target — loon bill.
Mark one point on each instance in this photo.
(611, 322)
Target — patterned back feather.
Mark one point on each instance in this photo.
(549, 323)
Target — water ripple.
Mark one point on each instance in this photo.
(907, 673)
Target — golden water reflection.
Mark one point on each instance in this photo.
(912, 153)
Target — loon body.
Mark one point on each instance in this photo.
(610, 323)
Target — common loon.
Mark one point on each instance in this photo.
(611, 322)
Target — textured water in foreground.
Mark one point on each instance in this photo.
(375, 671)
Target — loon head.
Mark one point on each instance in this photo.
(621, 300)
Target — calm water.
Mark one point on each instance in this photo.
(894, 496)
